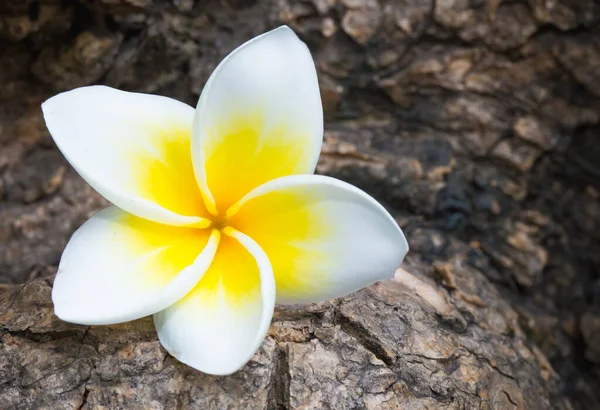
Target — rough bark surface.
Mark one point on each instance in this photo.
(474, 121)
(400, 344)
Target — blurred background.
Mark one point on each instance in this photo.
(475, 122)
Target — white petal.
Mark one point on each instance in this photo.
(325, 238)
(220, 324)
(118, 267)
(259, 118)
(134, 149)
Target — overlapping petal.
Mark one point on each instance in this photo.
(324, 237)
(259, 118)
(118, 267)
(134, 149)
(219, 325)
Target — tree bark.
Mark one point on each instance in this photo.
(475, 122)
(399, 344)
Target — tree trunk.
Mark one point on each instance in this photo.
(475, 122)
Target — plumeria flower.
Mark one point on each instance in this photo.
(216, 213)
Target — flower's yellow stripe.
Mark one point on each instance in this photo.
(159, 251)
(289, 232)
(232, 279)
(164, 173)
(243, 151)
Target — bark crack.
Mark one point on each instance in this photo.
(279, 393)
(84, 397)
(362, 336)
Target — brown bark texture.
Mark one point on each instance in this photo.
(475, 122)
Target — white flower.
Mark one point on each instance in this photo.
(216, 215)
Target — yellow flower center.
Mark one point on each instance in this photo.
(219, 221)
